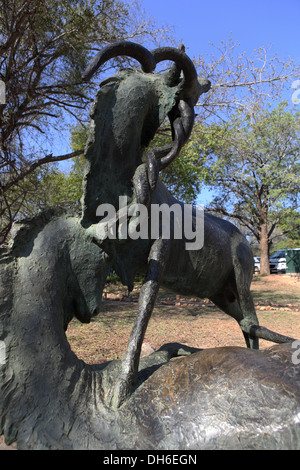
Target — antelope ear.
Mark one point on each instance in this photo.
(205, 85)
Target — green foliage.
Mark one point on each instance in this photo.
(59, 188)
(254, 164)
(290, 229)
(47, 186)
(184, 176)
(79, 135)
(44, 48)
(65, 188)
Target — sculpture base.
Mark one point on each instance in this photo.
(221, 398)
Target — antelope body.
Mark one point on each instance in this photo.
(127, 111)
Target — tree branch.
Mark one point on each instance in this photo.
(47, 159)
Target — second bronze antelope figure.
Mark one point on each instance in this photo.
(127, 111)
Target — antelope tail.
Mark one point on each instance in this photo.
(257, 331)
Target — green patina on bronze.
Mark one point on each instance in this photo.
(56, 267)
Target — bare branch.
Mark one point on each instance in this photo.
(33, 166)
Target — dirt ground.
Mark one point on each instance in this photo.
(191, 321)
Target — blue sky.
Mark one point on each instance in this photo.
(197, 23)
(274, 24)
(252, 23)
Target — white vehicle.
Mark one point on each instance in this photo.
(278, 262)
(256, 264)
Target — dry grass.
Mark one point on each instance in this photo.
(194, 322)
(189, 321)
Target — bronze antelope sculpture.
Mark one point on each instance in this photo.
(128, 109)
(220, 398)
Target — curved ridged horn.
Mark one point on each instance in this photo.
(128, 48)
(190, 91)
(190, 82)
(182, 128)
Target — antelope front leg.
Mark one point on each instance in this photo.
(129, 365)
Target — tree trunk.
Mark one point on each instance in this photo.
(264, 245)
